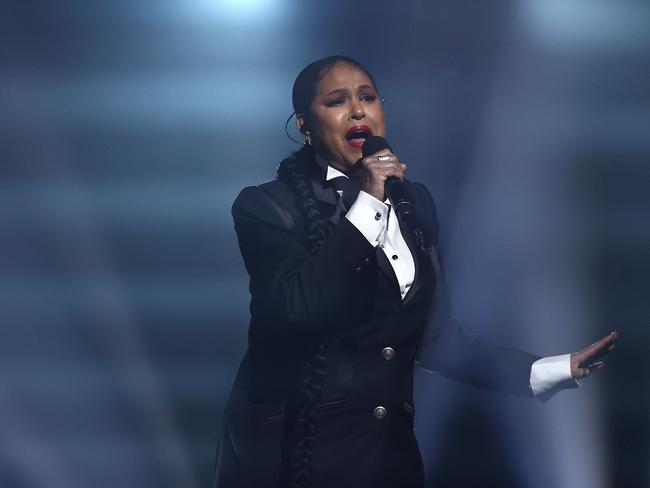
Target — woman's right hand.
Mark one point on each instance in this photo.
(374, 171)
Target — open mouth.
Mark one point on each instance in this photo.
(357, 135)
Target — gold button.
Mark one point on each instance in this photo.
(380, 412)
(388, 353)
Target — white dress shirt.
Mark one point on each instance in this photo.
(378, 223)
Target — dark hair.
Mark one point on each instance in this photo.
(301, 420)
(304, 88)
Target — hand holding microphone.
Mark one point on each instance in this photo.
(382, 174)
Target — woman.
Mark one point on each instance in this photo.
(345, 299)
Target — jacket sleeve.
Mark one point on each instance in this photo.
(292, 289)
(446, 349)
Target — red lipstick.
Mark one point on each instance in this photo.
(357, 135)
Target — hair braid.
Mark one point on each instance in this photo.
(301, 419)
(292, 171)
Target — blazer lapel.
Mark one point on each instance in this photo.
(387, 269)
(421, 252)
(324, 193)
(407, 233)
(420, 261)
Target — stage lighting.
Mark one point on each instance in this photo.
(243, 10)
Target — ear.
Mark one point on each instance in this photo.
(301, 123)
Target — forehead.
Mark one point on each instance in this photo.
(342, 76)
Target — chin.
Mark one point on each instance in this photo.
(353, 156)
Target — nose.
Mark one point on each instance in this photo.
(356, 110)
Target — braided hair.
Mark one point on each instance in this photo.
(301, 419)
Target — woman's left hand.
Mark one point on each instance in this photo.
(584, 362)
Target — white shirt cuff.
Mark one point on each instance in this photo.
(550, 375)
(370, 216)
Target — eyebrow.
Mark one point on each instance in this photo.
(344, 90)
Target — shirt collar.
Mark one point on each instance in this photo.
(334, 173)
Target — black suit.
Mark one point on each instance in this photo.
(348, 296)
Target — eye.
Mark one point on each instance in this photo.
(368, 98)
(336, 102)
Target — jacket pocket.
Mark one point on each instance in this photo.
(328, 407)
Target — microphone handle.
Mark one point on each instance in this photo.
(400, 201)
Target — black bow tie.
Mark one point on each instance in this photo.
(350, 188)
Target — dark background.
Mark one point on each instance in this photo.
(128, 128)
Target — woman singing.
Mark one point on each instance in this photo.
(346, 299)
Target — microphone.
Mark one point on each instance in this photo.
(393, 187)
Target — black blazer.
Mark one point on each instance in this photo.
(348, 296)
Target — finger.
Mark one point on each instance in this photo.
(396, 172)
(608, 339)
(596, 365)
(594, 358)
(588, 358)
(383, 156)
(390, 160)
(599, 345)
(584, 372)
(599, 350)
(372, 162)
(385, 167)
(379, 155)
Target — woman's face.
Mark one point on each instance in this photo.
(345, 111)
